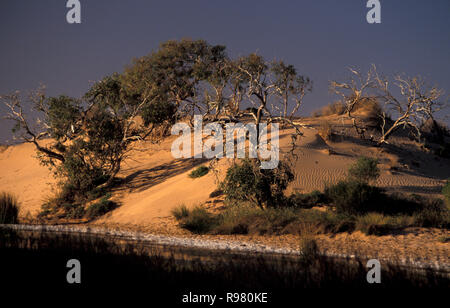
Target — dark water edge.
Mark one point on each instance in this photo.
(38, 260)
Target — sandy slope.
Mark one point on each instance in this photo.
(156, 182)
(22, 175)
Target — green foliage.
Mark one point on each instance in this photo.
(172, 75)
(73, 210)
(198, 220)
(353, 197)
(9, 208)
(309, 200)
(246, 181)
(101, 207)
(91, 142)
(199, 172)
(364, 170)
(247, 219)
(62, 113)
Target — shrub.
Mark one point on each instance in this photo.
(199, 220)
(100, 208)
(262, 187)
(199, 172)
(180, 212)
(446, 193)
(317, 222)
(373, 223)
(309, 250)
(9, 208)
(73, 210)
(364, 170)
(433, 214)
(354, 197)
(244, 219)
(309, 200)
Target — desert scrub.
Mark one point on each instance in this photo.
(353, 197)
(198, 220)
(180, 212)
(434, 214)
(247, 182)
(103, 206)
(309, 200)
(199, 172)
(247, 219)
(364, 170)
(9, 208)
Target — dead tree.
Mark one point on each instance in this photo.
(416, 104)
(355, 92)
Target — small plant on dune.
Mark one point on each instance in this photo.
(101, 207)
(199, 172)
(9, 208)
(246, 181)
(198, 220)
(180, 212)
(364, 170)
(354, 197)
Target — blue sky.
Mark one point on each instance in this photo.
(320, 37)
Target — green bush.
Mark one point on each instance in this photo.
(248, 219)
(374, 223)
(100, 208)
(309, 200)
(364, 170)
(73, 210)
(433, 214)
(199, 220)
(9, 208)
(262, 187)
(353, 197)
(199, 172)
(180, 212)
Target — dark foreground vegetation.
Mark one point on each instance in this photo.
(255, 204)
(39, 260)
(9, 208)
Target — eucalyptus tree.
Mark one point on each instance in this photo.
(84, 141)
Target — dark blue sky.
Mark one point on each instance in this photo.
(320, 37)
